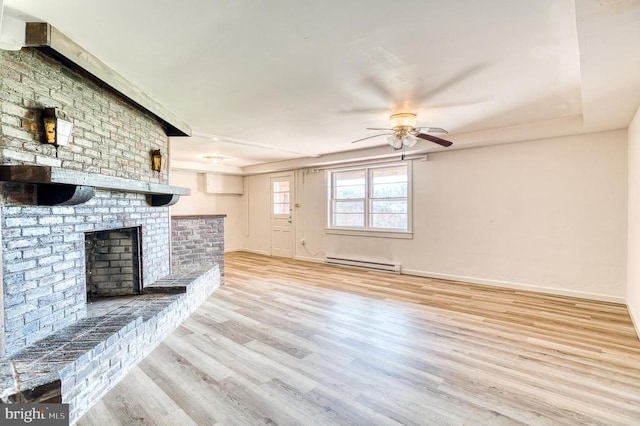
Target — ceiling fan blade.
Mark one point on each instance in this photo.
(364, 111)
(380, 88)
(434, 139)
(430, 130)
(374, 136)
(379, 128)
(426, 95)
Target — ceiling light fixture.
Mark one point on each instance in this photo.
(215, 159)
(403, 125)
(395, 141)
(403, 120)
(401, 139)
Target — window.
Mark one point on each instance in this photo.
(280, 191)
(371, 198)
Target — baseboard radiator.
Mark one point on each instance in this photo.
(386, 267)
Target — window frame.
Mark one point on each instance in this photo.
(367, 230)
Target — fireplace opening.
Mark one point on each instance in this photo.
(113, 263)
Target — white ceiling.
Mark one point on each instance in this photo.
(283, 79)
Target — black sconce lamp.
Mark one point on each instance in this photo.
(56, 130)
(156, 160)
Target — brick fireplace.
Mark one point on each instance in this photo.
(50, 348)
(44, 284)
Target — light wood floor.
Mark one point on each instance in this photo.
(287, 342)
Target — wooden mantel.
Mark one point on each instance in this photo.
(58, 186)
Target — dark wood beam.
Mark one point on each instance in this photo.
(57, 175)
(57, 186)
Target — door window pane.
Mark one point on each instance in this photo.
(281, 197)
(281, 186)
(279, 208)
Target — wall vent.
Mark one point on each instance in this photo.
(377, 266)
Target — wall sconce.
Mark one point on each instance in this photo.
(56, 130)
(156, 160)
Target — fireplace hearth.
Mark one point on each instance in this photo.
(78, 363)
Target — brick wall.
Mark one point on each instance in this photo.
(43, 258)
(197, 240)
(110, 136)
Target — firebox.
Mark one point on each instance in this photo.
(113, 262)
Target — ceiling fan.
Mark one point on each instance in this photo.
(405, 134)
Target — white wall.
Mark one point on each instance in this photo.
(257, 193)
(633, 242)
(546, 215)
(201, 203)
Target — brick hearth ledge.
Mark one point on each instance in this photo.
(80, 363)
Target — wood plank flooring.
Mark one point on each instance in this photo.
(288, 342)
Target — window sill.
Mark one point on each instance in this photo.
(405, 235)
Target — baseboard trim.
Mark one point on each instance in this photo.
(262, 252)
(519, 286)
(635, 319)
(232, 249)
(310, 259)
(496, 283)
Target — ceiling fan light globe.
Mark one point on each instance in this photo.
(395, 141)
(409, 141)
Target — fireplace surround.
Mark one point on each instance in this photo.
(43, 219)
(50, 200)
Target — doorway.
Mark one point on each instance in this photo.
(282, 216)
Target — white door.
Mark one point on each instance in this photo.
(282, 216)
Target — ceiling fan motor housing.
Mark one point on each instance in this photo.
(405, 120)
